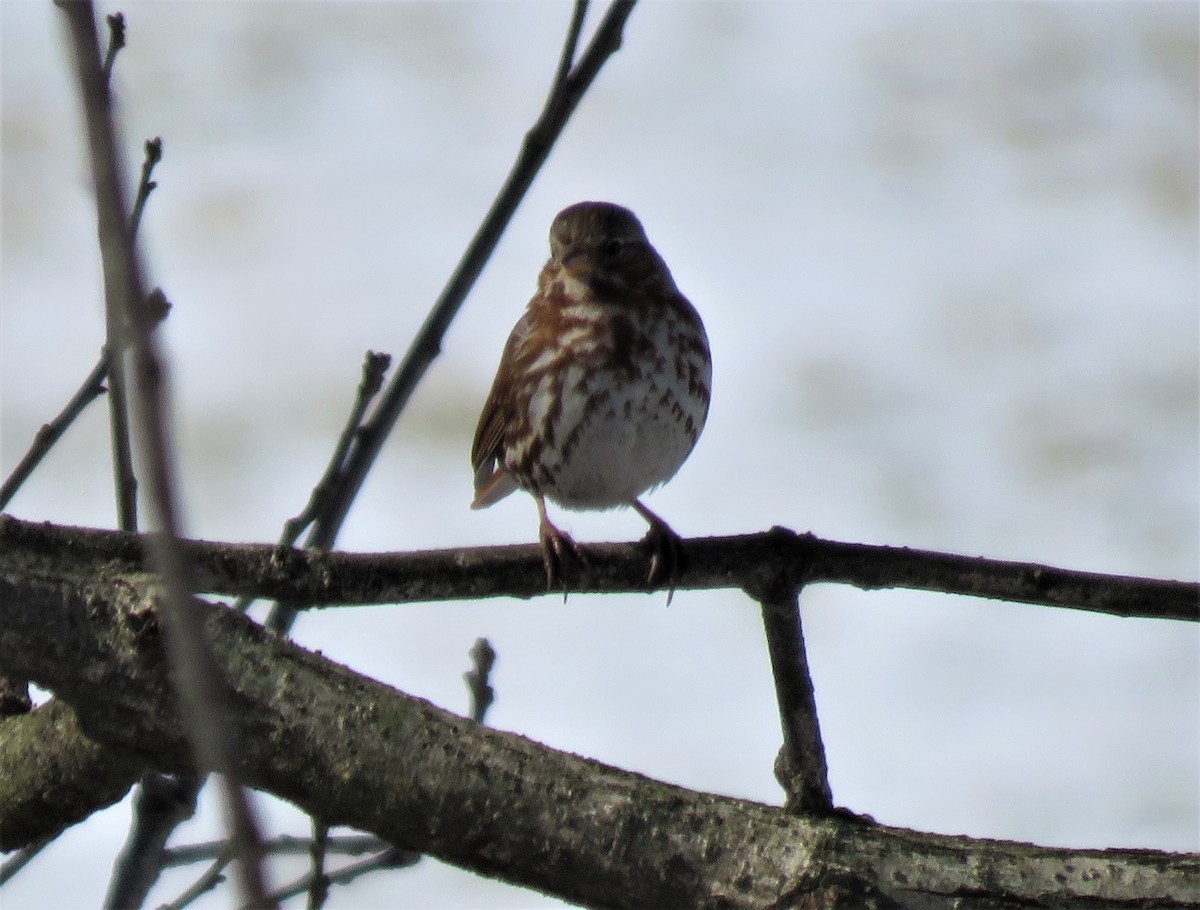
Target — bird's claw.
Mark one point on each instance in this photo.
(555, 544)
(666, 552)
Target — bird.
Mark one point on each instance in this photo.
(603, 386)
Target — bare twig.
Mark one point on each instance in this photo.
(162, 803)
(219, 855)
(116, 329)
(93, 386)
(124, 480)
(483, 656)
(50, 433)
(566, 59)
(116, 41)
(146, 186)
(318, 879)
(391, 858)
(569, 87)
(373, 369)
(197, 684)
(801, 766)
(283, 845)
(213, 876)
(20, 859)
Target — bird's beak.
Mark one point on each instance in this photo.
(576, 262)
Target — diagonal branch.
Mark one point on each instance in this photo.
(373, 369)
(93, 385)
(342, 746)
(161, 804)
(565, 95)
(49, 433)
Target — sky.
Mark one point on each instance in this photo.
(947, 257)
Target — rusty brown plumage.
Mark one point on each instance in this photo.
(603, 386)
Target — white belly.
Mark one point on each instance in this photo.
(635, 440)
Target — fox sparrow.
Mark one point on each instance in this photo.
(603, 386)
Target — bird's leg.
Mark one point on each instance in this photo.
(666, 554)
(554, 543)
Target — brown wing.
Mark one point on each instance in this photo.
(492, 483)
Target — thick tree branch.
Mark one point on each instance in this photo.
(352, 751)
(324, 579)
(54, 775)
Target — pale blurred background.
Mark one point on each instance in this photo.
(947, 256)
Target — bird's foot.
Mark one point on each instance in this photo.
(555, 544)
(666, 551)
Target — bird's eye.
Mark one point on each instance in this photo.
(613, 247)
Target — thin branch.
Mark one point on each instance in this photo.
(391, 858)
(49, 434)
(212, 877)
(124, 479)
(374, 367)
(146, 186)
(283, 845)
(737, 562)
(193, 669)
(118, 321)
(318, 879)
(564, 97)
(566, 58)
(91, 389)
(483, 656)
(162, 803)
(385, 856)
(218, 854)
(801, 767)
(116, 41)
(93, 386)
(20, 859)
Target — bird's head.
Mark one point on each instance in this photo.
(604, 246)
